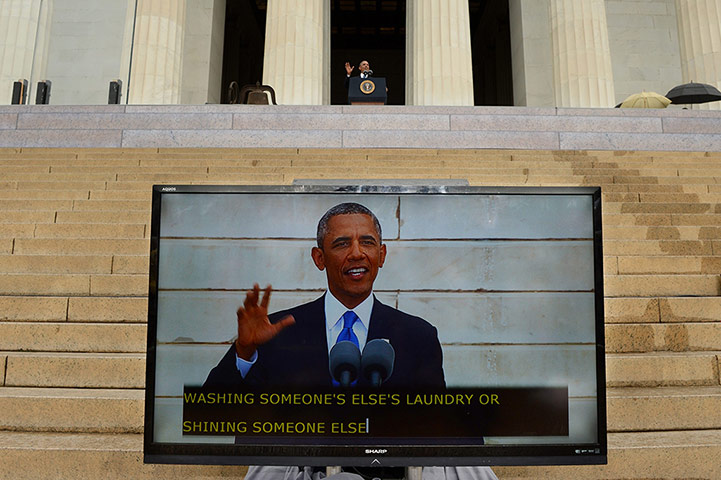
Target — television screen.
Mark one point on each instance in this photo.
(358, 325)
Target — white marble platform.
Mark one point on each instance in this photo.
(256, 126)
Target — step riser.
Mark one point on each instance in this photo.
(72, 337)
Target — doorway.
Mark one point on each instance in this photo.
(243, 47)
(373, 30)
(491, 52)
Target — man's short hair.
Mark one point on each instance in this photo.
(348, 208)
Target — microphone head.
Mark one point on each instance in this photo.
(344, 357)
(378, 356)
(369, 72)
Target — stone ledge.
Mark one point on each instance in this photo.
(71, 410)
(665, 408)
(122, 370)
(662, 369)
(666, 337)
(466, 128)
(72, 337)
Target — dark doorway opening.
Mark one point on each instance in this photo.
(243, 47)
(491, 52)
(373, 30)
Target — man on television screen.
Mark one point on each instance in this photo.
(291, 347)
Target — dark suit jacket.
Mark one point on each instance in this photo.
(298, 356)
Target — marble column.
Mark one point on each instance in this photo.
(438, 53)
(294, 64)
(699, 34)
(582, 73)
(156, 65)
(24, 36)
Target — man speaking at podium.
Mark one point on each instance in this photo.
(364, 71)
(291, 348)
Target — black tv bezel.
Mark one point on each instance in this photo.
(391, 455)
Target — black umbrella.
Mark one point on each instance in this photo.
(693, 93)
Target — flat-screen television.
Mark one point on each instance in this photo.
(364, 325)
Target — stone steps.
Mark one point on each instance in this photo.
(74, 370)
(675, 337)
(657, 219)
(74, 284)
(93, 230)
(630, 265)
(73, 309)
(661, 233)
(80, 246)
(664, 310)
(71, 410)
(662, 369)
(654, 247)
(690, 454)
(90, 456)
(72, 337)
(664, 409)
(73, 294)
(662, 285)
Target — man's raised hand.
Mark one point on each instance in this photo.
(254, 327)
(348, 68)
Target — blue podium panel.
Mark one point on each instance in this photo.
(370, 90)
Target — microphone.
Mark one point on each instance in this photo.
(344, 362)
(377, 361)
(369, 72)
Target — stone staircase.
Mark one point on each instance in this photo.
(74, 228)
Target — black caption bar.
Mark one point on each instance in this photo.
(468, 413)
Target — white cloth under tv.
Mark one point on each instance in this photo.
(429, 473)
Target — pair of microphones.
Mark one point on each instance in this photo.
(347, 364)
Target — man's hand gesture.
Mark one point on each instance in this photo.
(254, 327)
(348, 68)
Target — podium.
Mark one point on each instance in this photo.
(367, 91)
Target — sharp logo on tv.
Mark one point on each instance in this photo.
(376, 451)
(424, 325)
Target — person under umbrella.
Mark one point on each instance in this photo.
(690, 93)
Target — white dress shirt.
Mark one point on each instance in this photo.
(334, 311)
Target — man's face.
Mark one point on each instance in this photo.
(351, 256)
(364, 66)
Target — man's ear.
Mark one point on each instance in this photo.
(383, 256)
(318, 258)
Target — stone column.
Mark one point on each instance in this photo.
(294, 63)
(582, 71)
(438, 53)
(24, 36)
(156, 65)
(699, 35)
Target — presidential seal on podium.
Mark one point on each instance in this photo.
(367, 86)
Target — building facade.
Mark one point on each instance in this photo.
(564, 53)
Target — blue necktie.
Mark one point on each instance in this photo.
(347, 334)
(349, 318)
